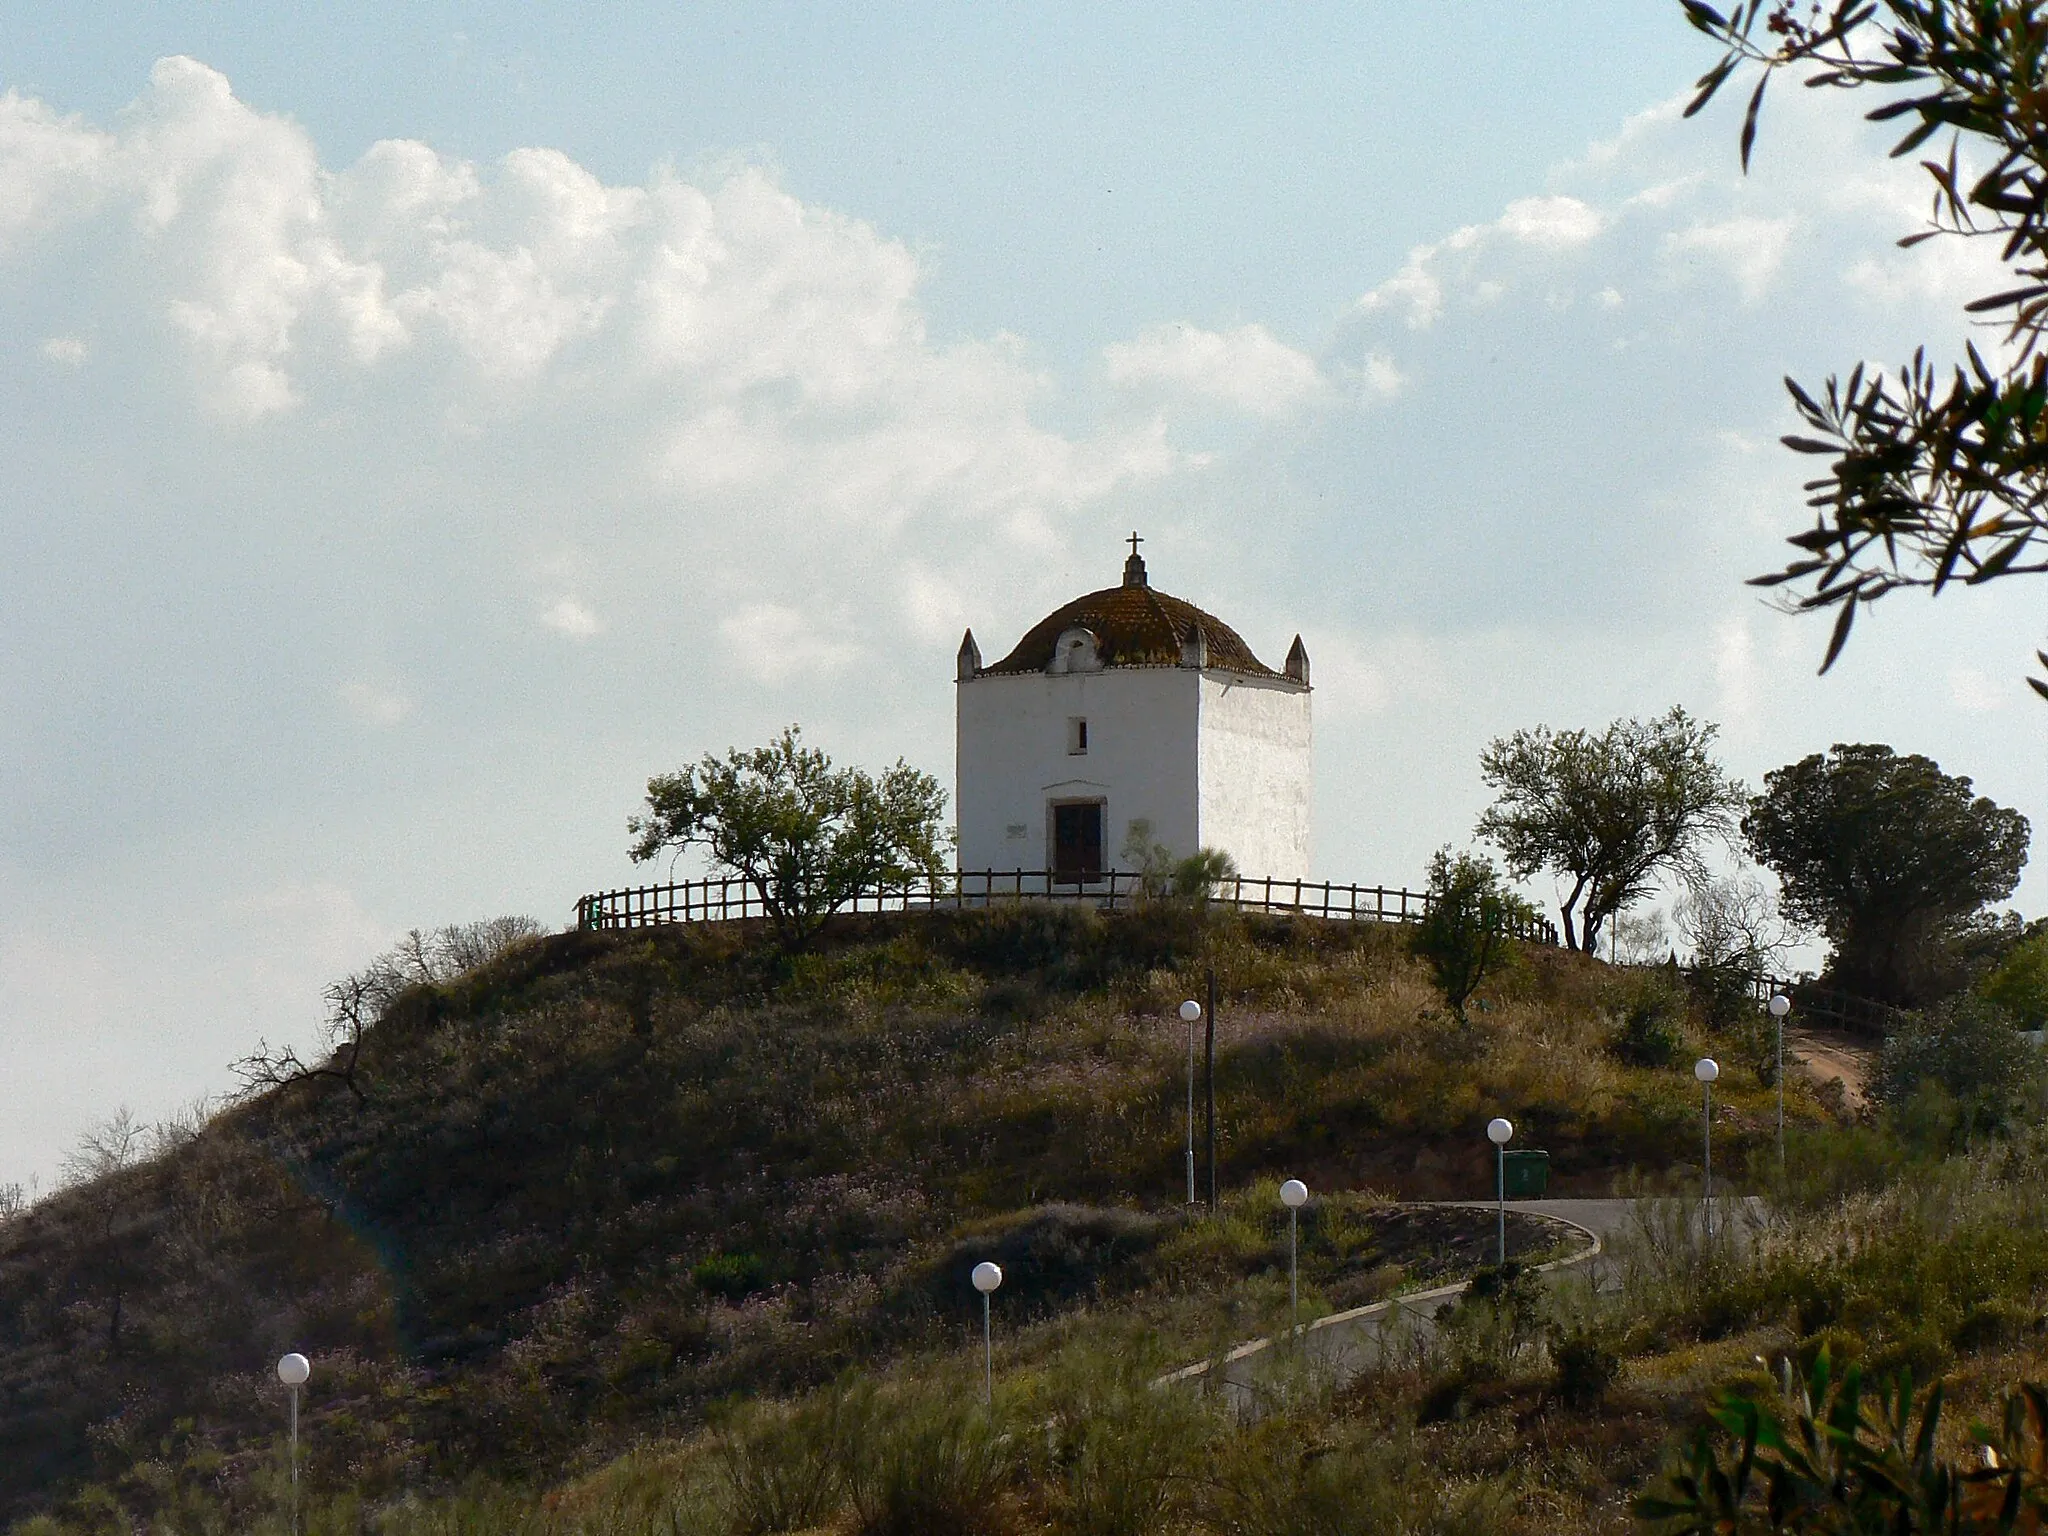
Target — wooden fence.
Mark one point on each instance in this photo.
(716, 901)
(1829, 1006)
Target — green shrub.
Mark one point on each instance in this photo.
(780, 1470)
(1051, 1256)
(1282, 1478)
(1966, 1050)
(1825, 1164)
(1995, 1322)
(1122, 1454)
(1584, 1366)
(1650, 1032)
(1008, 938)
(925, 1462)
(1723, 994)
(1494, 1327)
(1723, 998)
(731, 1276)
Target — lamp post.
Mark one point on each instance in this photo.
(1293, 1195)
(1500, 1132)
(1780, 1006)
(1209, 1081)
(1190, 1011)
(1706, 1069)
(986, 1278)
(293, 1370)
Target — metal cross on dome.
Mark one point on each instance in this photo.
(1135, 542)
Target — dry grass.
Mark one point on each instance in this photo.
(493, 1257)
(1078, 1442)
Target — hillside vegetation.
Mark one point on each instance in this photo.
(589, 1190)
(1527, 1413)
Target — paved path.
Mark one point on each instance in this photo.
(1346, 1343)
(1609, 1218)
(1342, 1345)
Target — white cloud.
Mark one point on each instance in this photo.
(51, 167)
(304, 925)
(1749, 249)
(571, 618)
(69, 351)
(1248, 369)
(774, 643)
(1362, 676)
(1972, 690)
(1455, 266)
(1553, 222)
(744, 380)
(1415, 291)
(937, 609)
(381, 707)
(759, 342)
(1375, 378)
(1738, 679)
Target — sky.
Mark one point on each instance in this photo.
(424, 422)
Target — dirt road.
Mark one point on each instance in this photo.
(1833, 1053)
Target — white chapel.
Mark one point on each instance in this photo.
(1128, 705)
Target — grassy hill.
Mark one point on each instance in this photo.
(608, 1181)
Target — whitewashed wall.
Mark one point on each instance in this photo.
(1257, 770)
(1011, 758)
(1209, 758)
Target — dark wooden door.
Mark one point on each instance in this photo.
(1077, 841)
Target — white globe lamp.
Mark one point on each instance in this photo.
(1293, 1195)
(1706, 1069)
(1500, 1131)
(294, 1370)
(986, 1277)
(1780, 1005)
(1191, 1013)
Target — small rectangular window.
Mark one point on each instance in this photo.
(1077, 737)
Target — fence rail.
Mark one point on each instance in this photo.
(715, 901)
(1813, 1003)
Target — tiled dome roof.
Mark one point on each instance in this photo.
(1134, 626)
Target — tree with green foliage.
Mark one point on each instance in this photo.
(2019, 984)
(1467, 934)
(1890, 858)
(806, 836)
(1610, 812)
(1937, 478)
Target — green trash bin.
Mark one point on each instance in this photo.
(1526, 1174)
